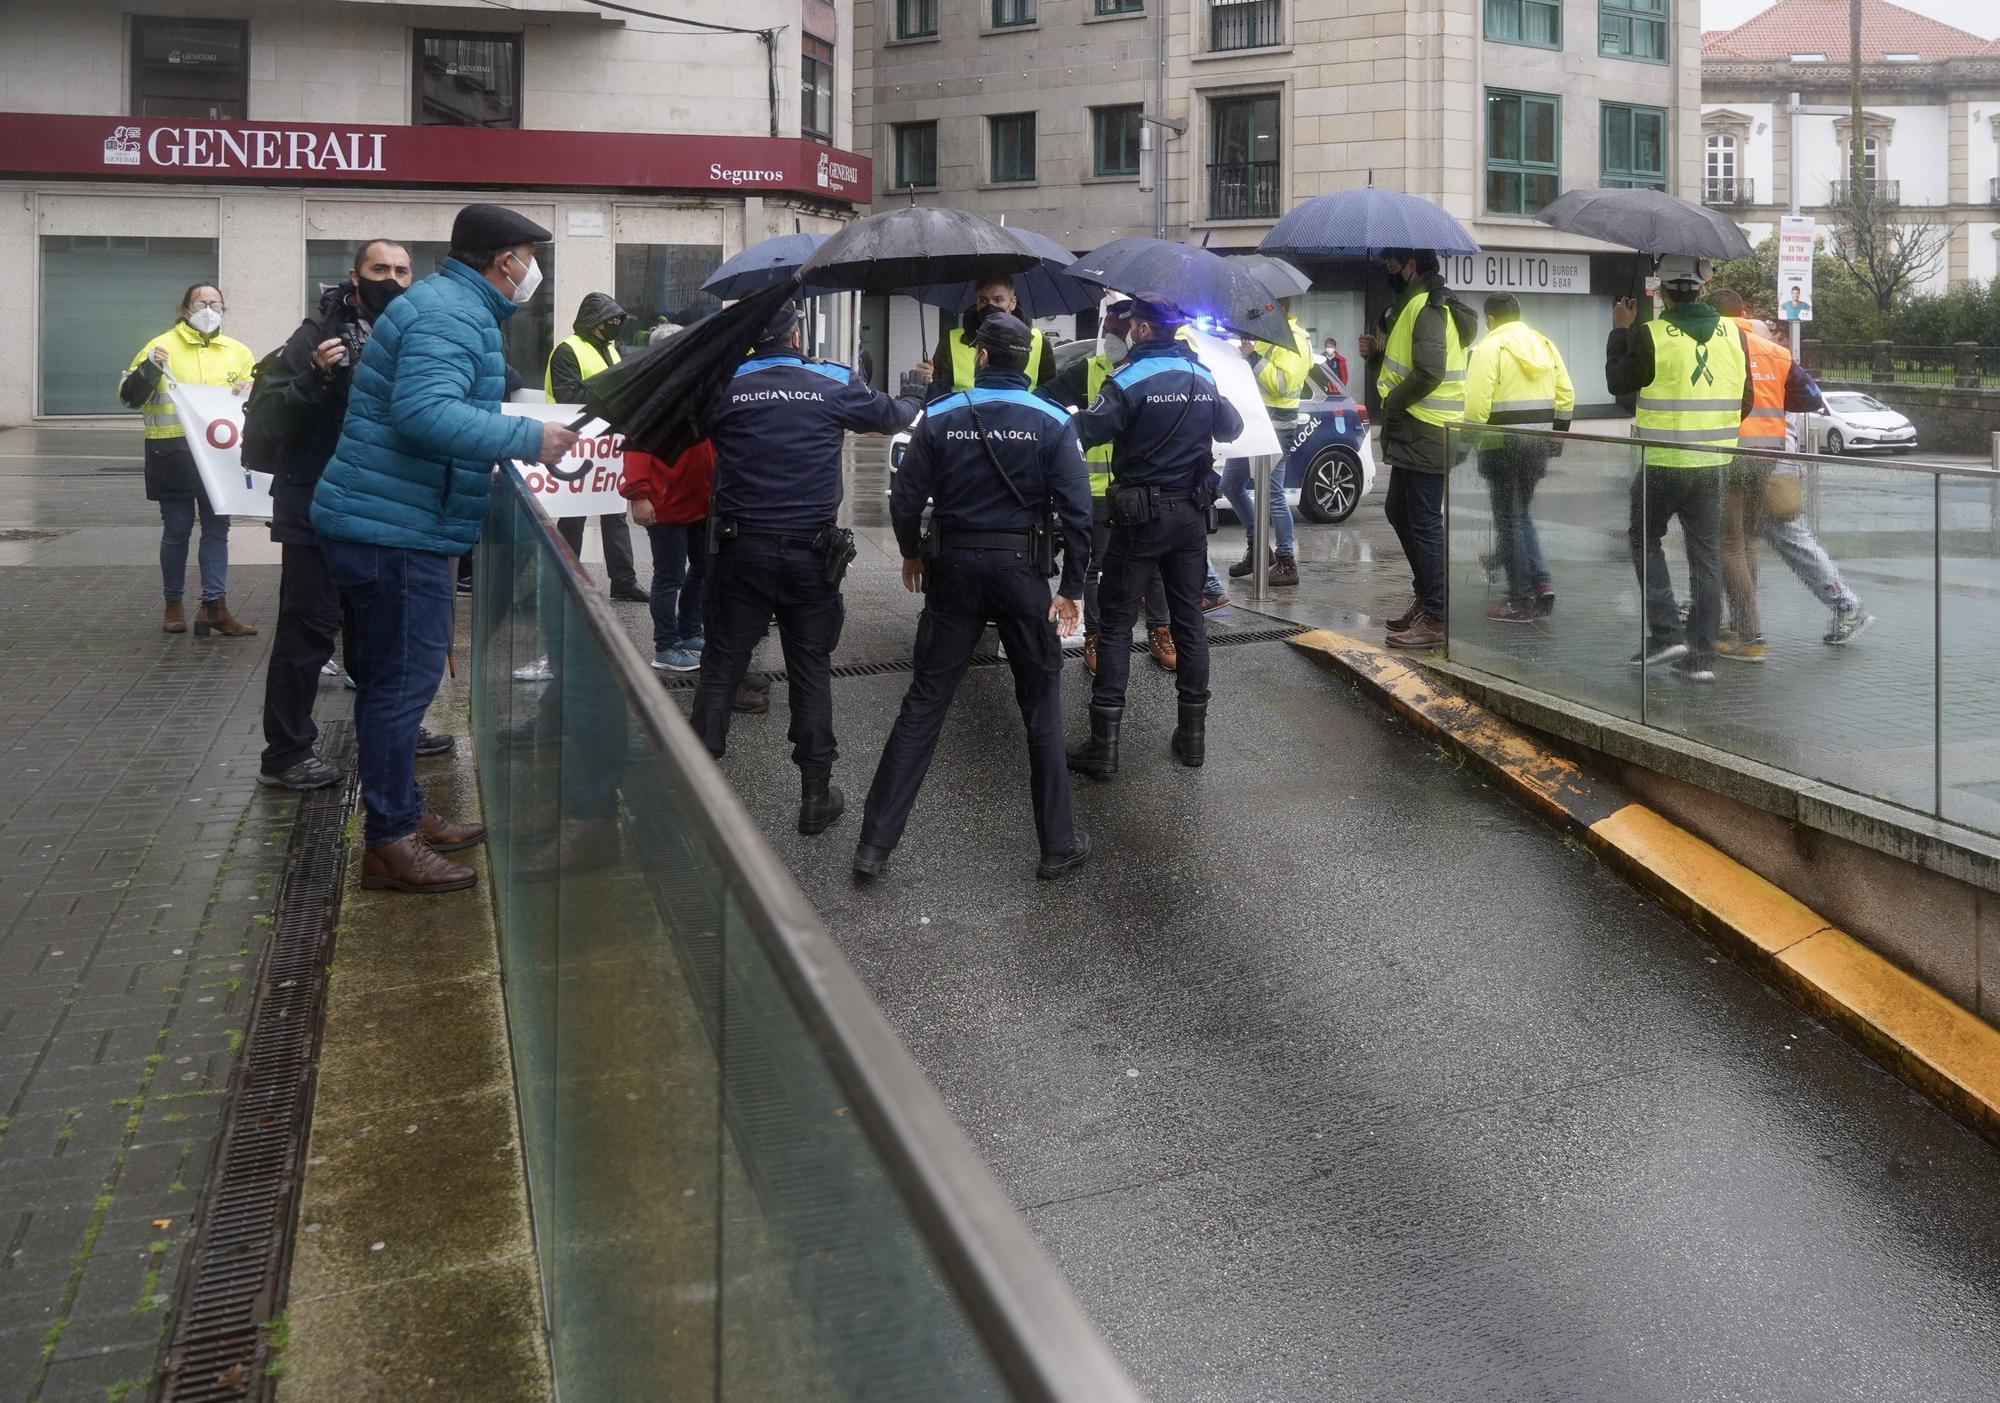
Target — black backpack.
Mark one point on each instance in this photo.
(267, 425)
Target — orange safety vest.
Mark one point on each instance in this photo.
(1770, 368)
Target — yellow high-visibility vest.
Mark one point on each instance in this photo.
(589, 361)
(1097, 371)
(965, 358)
(1283, 372)
(1696, 396)
(192, 359)
(1445, 404)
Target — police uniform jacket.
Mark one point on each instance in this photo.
(777, 428)
(1034, 441)
(1164, 415)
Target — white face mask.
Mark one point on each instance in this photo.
(206, 320)
(524, 289)
(1112, 348)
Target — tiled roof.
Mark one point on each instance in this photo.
(1820, 27)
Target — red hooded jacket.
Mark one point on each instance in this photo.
(678, 491)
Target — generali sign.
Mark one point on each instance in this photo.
(180, 149)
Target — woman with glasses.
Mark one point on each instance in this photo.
(192, 351)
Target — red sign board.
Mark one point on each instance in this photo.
(321, 153)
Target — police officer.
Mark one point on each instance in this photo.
(1163, 414)
(590, 349)
(777, 429)
(992, 460)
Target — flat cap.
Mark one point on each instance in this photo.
(1003, 331)
(479, 228)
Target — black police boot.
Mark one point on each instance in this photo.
(820, 803)
(1052, 867)
(1098, 756)
(869, 861)
(1191, 736)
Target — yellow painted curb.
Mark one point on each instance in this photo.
(1917, 1032)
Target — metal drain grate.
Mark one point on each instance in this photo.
(685, 681)
(217, 1353)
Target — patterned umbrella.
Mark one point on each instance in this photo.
(1361, 223)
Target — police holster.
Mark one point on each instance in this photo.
(835, 545)
(1045, 532)
(720, 529)
(1132, 503)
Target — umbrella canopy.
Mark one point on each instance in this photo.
(1651, 221)
(1044, 290)
(762, 265)
(916, 247)
(1200, 283)
(1361, 223)
(657, 397)
(1279, 278)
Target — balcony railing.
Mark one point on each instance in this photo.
(1729, 191)
(1882, 192)
(1245, 24)
(1243, 190)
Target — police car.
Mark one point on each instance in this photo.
(1328, 466)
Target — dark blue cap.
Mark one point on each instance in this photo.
(781, 324)
(1156, 310)
(1003, 331)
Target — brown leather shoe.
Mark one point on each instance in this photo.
(1090, 653)
(1407, 617)
(1160, 643)
(1423, 632)
(411, 864)
(214, 617)
(448, 837)
(175, 619)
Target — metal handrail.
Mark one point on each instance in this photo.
(1020, 1307)
(1773, 455)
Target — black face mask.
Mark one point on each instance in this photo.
(974, 316)
(374, 294)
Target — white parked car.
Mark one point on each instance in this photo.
(1854, 422)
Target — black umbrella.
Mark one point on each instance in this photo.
(916, 247)
(1651, 221)
(656, 398)
(1044, 290)
(1279, 278)
(1204, 285)
(775, 260)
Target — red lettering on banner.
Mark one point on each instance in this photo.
(536, 482)
(222, 433)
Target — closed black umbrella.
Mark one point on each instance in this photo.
(1204, 285)
(916, 247)
(1651, 221)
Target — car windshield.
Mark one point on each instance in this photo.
(1857, 404)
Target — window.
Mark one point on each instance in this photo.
(1633, 29)
(1012, 147)
(1009, 14)
(1871, 159)
(1538, 22)
(1118, 7)
(652, 281)
(1243, 157)
(916, 19)
(467, 80)
(1114, 140)
(916, 154)
(816, 90)
(1719, 174)
(190, 68)
(1633, 153)
(103, 297)
(1523, 152)
(1244, 24)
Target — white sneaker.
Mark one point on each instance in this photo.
(536, 671)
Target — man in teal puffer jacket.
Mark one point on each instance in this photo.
(403, 495)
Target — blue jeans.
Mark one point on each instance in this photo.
(1236, 480)
(680, 560)
(401, 602)
(1512, 480)
(177, 522)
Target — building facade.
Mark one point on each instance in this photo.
(1034, 110)
(255, 143)
(1930, 124)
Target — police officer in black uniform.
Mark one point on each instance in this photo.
(774, 548)
(1162, 413)
(995, 462)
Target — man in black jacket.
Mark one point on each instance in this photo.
(591, 348)
(308, 393)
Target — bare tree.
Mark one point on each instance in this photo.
(1889, 250)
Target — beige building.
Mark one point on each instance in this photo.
(256, 142)
(1032, 109)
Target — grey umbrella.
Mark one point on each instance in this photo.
(916, 247)
(1651, 221)
(1279, 278)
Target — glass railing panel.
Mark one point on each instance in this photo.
(1969, 648)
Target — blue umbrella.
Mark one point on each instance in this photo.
(1202, 284)
(1361, 223)
(1043, 291)
(764, 265)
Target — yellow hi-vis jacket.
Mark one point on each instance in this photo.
(192, 359)
(1515, 375)
(1445, 404)
(965, 358)
(1096, 371)
(1696, 396)
(589, 361)
(1282, 370)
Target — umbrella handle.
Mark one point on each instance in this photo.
(575, 426)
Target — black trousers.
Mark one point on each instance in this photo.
(311, 619)
(751, 581)
(1093, 578)
(964, 590)
(617, 546)
(1176, 545)
(1695, 496)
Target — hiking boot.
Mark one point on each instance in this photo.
(1656, 653)
(820, 803)
(310, 773)
(1090, 654)
(1190, 743)
(174, 619)
(1741, 650)
(410, 864)
(1284, 570)
(752, 701)
(1098, 756)
(1424, 632)
(1407, 617)
(431, 742)
(447, 837)
(869, 861)
(1847, 625)
(1510, 612)
(214, 618)
(1160, 643)
(1050, 868)
(1246, 565)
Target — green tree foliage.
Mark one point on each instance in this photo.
(1843, 310)
(1967, 313)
